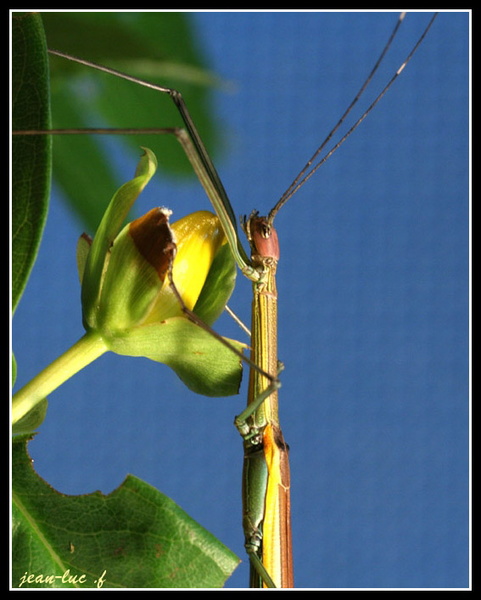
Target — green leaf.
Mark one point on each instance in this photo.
(157, 46)
(133, 537)
(201, 361)
(31, 155)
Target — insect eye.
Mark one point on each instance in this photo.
(265, 231)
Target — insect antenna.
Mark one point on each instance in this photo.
(312, 166)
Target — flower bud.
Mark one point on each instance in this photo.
(127, 296)
(136, 289)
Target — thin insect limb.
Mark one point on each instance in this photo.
(197, 164)
(204, 165)
(237, 319)
(96, 131)
(256, 562)
(247, 431)
(309, 169)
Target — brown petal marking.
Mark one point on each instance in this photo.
(154, 240)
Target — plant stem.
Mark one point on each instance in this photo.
(86, 350)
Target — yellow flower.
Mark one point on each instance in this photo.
(127, 297)
(198, 237)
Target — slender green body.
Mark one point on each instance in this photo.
(266, 481)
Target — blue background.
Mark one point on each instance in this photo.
(373, 287)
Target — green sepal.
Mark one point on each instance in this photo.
(83, 249)
(129, 287)
(218, 286)
(107, 231)
(32, 420)
(201, 361)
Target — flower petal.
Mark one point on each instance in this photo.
(198, 237)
